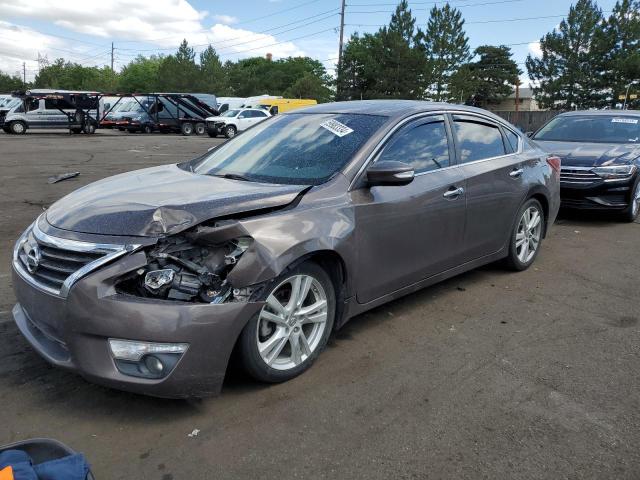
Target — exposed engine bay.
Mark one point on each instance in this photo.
(190, 267)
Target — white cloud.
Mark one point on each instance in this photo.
(21, 44)
(236, 42)
(534, 49)
(227, 19)
(134, 19)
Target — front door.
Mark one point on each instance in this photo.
(408, 233)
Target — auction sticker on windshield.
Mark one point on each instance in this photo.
(337, 128)
(624, 120)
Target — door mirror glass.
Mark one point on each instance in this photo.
(390, 172)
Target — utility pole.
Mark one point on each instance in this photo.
(112, 56)
(24, 74)
(340, 45)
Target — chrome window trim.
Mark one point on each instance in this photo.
(110, 252)
(377, 149)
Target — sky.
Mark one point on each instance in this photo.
(83, 30)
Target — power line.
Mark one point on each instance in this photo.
(427, 3)
(278, 12)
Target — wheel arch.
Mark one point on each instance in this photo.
(539, 194)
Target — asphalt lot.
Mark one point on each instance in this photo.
(489, 375)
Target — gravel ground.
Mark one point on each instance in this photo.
(489, 375)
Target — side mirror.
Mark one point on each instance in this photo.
(529, 134)
(390, 173)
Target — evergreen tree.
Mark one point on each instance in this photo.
(488, 80)
(179, 72)
(361, 67)
(401, 64)
(569, 73)
(621, 35)
(140, 75)
(446, 47)
(212, 73)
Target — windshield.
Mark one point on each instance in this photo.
(230, 113)
(296, 149)
(592, 128)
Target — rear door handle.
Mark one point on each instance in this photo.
(453, 192)
(516, 173)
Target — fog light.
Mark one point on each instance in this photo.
(133, 351)
(154, 365)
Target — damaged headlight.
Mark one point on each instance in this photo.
(187, 268)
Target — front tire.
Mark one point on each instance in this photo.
(19, 128)
(526, 238)
(230, 131)
(631, 213)
(287, 335)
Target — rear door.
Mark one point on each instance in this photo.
(410, 232)
(493, 171)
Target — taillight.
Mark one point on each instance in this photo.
(554, 162)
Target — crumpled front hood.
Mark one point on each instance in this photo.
(574, 154)
(161, 200)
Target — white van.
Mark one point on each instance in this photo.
(47, 112)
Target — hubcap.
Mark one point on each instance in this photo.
(292, 322)
(528, 234)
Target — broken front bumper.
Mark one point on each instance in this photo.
(74, 332)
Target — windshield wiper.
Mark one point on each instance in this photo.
(232, 176)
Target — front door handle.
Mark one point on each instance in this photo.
(453, 192)
(516, 173)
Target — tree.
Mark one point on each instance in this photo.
(361, 69)
(621, 36)
(402, 64)
(309, 86)
(446, 48)
(179, 72)
(212, 74)
(9, 83)
(488, 80)
(67, 75)
(569, 73)
(140, 75)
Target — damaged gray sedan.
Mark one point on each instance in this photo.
(148, 281)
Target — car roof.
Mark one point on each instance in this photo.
(617, 113)
(391, 108)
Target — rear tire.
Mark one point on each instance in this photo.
(18, 127)
(187, 128)
(631, 213)
(147, 129)
(230, 131)
(212, 133)
(278, 344)
(201, 128)
(526, 237)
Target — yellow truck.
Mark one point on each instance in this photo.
(281, 105)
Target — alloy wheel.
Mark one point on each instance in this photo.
(291, 324)
(528, 234)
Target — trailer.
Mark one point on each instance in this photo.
(165, 112)
(79, 111)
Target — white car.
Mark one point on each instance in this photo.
(234, 121)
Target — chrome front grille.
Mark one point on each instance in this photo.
(54, 264)
(578, 176)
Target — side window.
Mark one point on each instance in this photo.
(32, 104)
(223, 108)
(513, 139)
(424, 146)
(274, 110)
(478, 141)
(56, 104)
(260, 114)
